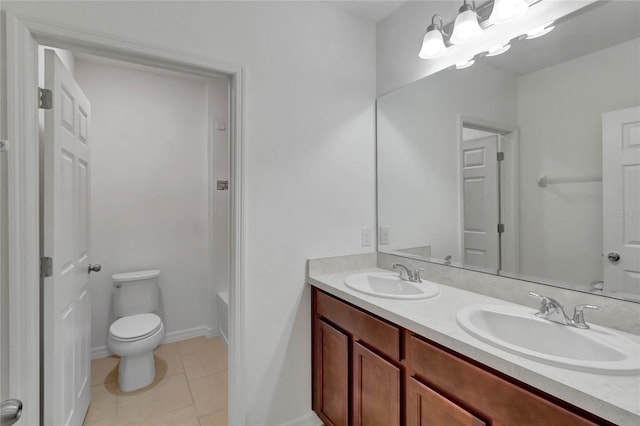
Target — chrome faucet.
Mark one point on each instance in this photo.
(412, 276)
(551, 310)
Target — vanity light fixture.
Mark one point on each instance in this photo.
(498, 50)
(471, 21)
(507, 10)
(433, 43)
(466, 26)
(540, 31)
(465, 64)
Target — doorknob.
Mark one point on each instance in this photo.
(95, 268)
(613, 257)
(10, 411)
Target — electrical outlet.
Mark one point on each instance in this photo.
(384, 236)
(366, 237)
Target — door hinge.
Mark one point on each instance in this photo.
(46, 267)
(501, 156)
(45, 98)
(500, 228)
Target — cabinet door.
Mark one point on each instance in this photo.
(426, 407)
(376, 389)
(331, 375)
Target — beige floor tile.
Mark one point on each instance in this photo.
(104, 370)
(170, 394)
(215, 418)
(168, 400)
(196, 344)
(211, 359)
(111, 421)
(209, 393)
(184, 417)
(169, 357)
(102, 407)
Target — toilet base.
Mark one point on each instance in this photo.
(137, 365)
(136, 371)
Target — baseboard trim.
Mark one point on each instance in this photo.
(190, 333)
(174, 336)
(224, 338)
(309, 419)
(100, 352)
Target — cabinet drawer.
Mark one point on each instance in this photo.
(426, 407)
(489, 395)
(378, 334)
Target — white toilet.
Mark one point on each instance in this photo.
(137, 331)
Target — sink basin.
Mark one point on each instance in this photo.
(517, 329)
(390, 286)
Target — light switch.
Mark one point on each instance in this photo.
(384, 236)
(366, 237)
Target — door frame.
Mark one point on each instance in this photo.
(23, 35)
(502, 130)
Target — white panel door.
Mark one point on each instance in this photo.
(480, 202)
(621, 199)
(67, 316)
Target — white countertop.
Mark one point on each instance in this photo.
(615, 398)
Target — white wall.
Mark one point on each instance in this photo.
(310, 90)
(562, 224)
(399, 38)
(418, 153)
(149, 192)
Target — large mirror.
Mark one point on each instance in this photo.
(525, 164)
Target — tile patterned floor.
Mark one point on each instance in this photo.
(190, 388)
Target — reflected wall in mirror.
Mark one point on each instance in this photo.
(526, 164)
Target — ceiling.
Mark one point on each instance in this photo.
(371, 10)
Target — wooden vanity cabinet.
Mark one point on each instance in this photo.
(478, 396)
(426, 407)
(357, 375)
(368, 372)
(376, 388)
(331, 374)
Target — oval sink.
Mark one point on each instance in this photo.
(517, 329)
(390, 286)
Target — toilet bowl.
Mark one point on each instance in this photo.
(138, 330)
(134, 338)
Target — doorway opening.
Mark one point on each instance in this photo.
(149, 185)
(489, 188)
(23, 224)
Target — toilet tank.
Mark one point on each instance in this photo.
(135, 293)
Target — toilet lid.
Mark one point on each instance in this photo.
(135, 327)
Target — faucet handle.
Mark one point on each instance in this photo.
(417, 276)
(544, 303)
(578, 315)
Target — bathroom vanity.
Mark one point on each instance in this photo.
(381, 361)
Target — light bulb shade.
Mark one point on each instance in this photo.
(540, 31)
(507, 10)
(466, 27)
(465, 64)
(498, 50)
(433, 44)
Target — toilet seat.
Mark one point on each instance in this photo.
(135, 327)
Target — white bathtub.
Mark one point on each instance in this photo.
(222, 308)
